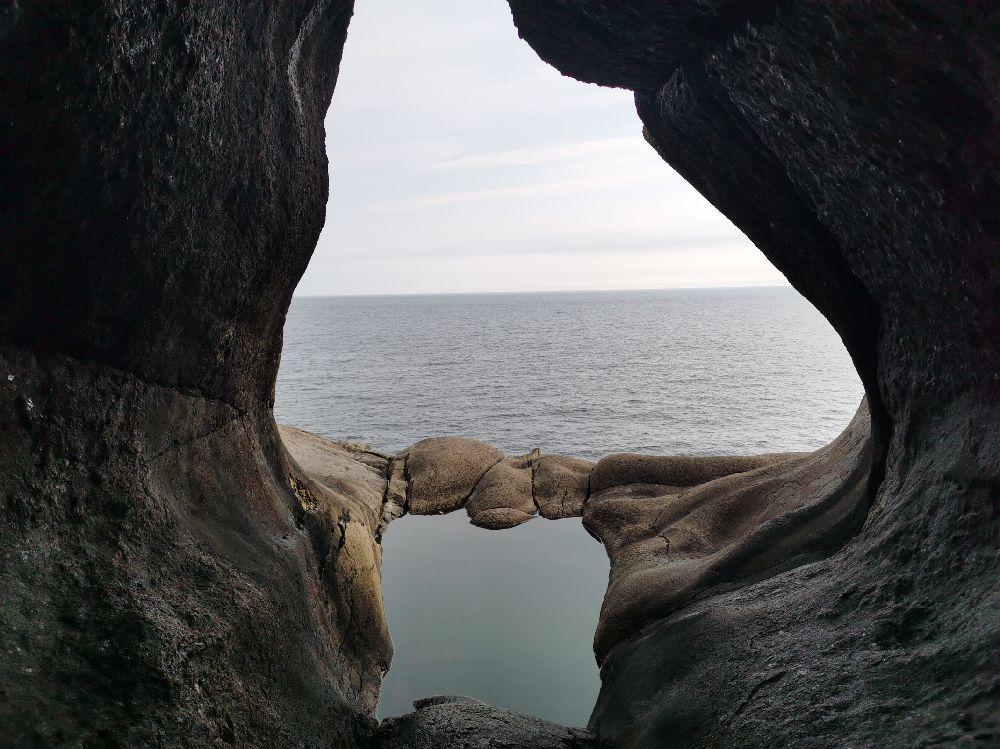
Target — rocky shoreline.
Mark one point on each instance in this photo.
(675, 528)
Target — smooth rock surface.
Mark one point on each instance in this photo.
(673, 544)
(173, 578)
(169, 576)
(502, 497)
(677, 471)
(856, 145)
(442, 472)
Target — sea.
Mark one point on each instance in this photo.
(508, 616)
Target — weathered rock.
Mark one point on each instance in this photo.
(355, 473)
(856, 145)
(462, 722)
(560, 486)
(165, 566)
(344, 503)
(169, 577)
(670, 546)
(395, 505)
(172, 578)
(502, 498)
(674, 471)
(442, 472)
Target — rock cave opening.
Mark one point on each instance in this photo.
(506, 618)
(180, 570)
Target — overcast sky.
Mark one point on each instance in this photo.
(460, 162)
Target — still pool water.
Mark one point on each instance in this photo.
(506, 617)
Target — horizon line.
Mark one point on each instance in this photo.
(540, 291)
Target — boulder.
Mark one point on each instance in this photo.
(502, 498)
(442, 472)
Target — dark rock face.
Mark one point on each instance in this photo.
(169, 576)
(460, 722)
(857, 145)
(155, 157)
(162, 583)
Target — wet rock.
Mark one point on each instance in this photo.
(443, 471)
(463, 723)
(560, 486)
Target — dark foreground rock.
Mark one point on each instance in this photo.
(168, 576)
(858, 145)
(462, 723)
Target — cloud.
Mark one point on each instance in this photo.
(542, 155)
(563, 187)
(460, 161)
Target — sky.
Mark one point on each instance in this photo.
(460, 162)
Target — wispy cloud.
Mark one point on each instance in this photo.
(542, 155)
(561, 187)
(579, 246)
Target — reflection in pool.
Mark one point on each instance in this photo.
(506, 617)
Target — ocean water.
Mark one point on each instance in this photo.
(585, 374)
(508, 616)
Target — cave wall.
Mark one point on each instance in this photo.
(170, 576)
(857, 144)
(157, 155)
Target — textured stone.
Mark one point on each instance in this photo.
(675, 471)
(560, 486)
(443, 471)
(172, 577)
(502, 498)
(856, 145)
(462, 723)
(394, 505)
(670, 545)
(355, 473)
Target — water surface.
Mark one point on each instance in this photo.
(508, 616)
(584, 374)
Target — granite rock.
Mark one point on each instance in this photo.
(442, 472)
(502, 497)
(560, 486)
(669, 545)
(856, 145)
